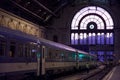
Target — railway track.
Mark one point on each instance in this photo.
(97, 76)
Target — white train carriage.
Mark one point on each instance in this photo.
(59, 57)
(24, 54)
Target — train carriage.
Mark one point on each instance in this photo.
(20, 54)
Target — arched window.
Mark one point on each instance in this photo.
(92, 25)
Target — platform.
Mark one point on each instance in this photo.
(114, 74)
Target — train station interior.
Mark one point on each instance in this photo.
(45, 37)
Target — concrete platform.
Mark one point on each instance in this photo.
(114, 74)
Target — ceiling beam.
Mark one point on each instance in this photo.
(27, 10)
(45, 8)
(60, 7)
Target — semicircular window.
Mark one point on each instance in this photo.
(92, 25)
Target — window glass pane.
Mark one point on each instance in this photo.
(12, 49)
(97, 23)
(76, 24)
(21, 48)
(90, 38)
(111, 22)
(85, 38)
(102, 25)
(100, 9)
(104, 17)
(109, 55)
(86, 22)
(72, 38)
(85, 26)
(101, 55)
(76, 38)
(91, 11)
(98, 26)
(2, 48)
(98, 38)
(33, 50)
(73, 23)
(107, 14)
(83, 10)
(111, 38)
(26, 54)
(77, 15)
(94, 20)
(81, 38)
(86, 18)
(80, 16)
(102, 38)
(93, 38)
(86, 12)
(99, 20)
(96, 17)
(98, 12)
(81, 25)
(93, 52)
(107, 38)
(107, 24)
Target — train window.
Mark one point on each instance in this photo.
(33, 50)
(62, 56)
(66, 56)
(20, 52)
(50, 55)
(2, 48)
(12, 49)
(27, 50)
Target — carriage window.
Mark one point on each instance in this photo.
(12, 49)
(33, 50)
(2, 48)
(50, 55)
(27, 51)
(20, 52)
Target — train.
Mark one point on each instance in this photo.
(21, 54)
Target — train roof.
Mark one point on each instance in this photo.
(62, 46)
(57, 45)
(17, 35)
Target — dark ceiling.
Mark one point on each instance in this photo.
(41, 12)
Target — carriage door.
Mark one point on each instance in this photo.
(43, 60)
